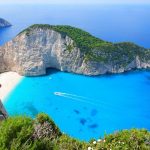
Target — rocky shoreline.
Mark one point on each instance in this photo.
(39, 47)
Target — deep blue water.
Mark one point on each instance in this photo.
(113, 23)
(85, 107)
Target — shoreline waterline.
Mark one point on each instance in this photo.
(8, 81)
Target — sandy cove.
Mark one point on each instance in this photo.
(8, 81)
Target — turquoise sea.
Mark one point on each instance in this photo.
(85, 107)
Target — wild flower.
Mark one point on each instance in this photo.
(90, 148)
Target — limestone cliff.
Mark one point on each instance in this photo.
(43, 46)
(4, 23)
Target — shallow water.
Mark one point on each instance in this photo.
(86, 107)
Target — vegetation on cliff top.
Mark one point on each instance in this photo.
(82, 39)
(95, 49)
(24, 133)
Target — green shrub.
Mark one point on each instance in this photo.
(69, 47)
(67, 143)
(44, 144)
(133, 139)
(14, 132)
(41, 118)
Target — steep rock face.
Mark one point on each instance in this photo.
(3, 113)
(30, 54)
(4, 23)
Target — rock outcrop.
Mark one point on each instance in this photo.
(4, 23)
(3, 113)
(39, 47)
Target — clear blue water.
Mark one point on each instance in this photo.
(85, 107)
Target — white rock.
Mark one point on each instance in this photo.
(31, 55)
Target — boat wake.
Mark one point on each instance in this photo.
(91, 101)
(83, 99)
(74, 97)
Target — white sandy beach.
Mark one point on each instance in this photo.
(8, 82)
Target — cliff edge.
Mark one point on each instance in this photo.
(69, 49)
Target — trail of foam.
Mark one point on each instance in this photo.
(83, 99)
(78, 98)
(73, 98)
(107, 107)
(74, 95)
